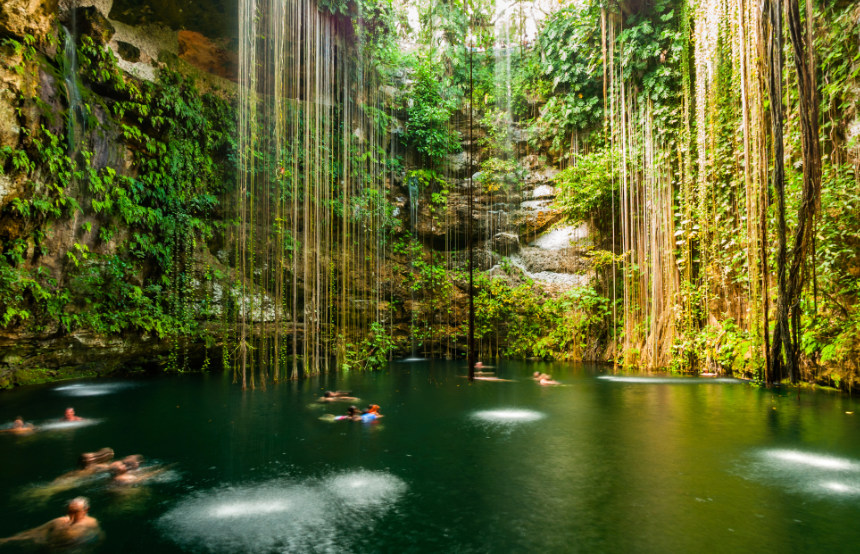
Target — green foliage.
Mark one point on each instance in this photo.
(563, 115)
(498, 174)
(372, 353)
(141, 279)
(530, 323)
(571, 50)
(432, 104)
(585, 190)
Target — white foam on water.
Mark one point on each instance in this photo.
(63, 425)
(316, 515)
(813, 460)
(83, 389)
(665, 380)
(508, 416)
(245, 509)
(366, 488)
(803, 473)
(413, 359)
(840, 488)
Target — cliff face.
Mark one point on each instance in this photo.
(73, 152)
(118, 158)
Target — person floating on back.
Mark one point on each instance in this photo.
(337, 396)
(75, 529)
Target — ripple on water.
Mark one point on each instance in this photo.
(666, 380)
(86, 389)
(313, 516)
(365, 488)
(508, 416)
(63, 425)
(804, 472)
(797, 457)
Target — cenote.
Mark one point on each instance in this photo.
(598, 464)
(213, 211)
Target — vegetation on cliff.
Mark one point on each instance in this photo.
(342, 216)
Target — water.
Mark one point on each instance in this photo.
(597, 465)
(75, 118)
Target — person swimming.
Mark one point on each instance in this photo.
(133, 461)
(337, 396)
(90, 463)
(371, 413)
(75, 529)
(352, 414)
(20, 427)
(131, 473)
(69, 415)
(544, 379)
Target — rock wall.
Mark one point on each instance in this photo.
(34, 104)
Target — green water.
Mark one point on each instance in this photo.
(597, 465)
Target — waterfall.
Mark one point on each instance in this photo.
(311, 193)
(75, 120)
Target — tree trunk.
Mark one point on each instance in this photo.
(801, 39)
(772, 34)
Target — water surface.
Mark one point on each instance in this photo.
(601, 464)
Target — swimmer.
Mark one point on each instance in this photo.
(76, 528)
(124, 475)
(133, 461)
(352, 414)
(371, 413)
(69, 415)
(543, 379)
(337, 396)
(19, 427)
(91, 463)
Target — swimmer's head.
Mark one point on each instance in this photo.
(78, 505)
(69, 413)
(132, 462)
(98, 457)
(117, 468)
(536, 374)
(352, 410)
(18, 423)
(328, 394)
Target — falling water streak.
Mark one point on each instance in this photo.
(75, 122)
(308, 142)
